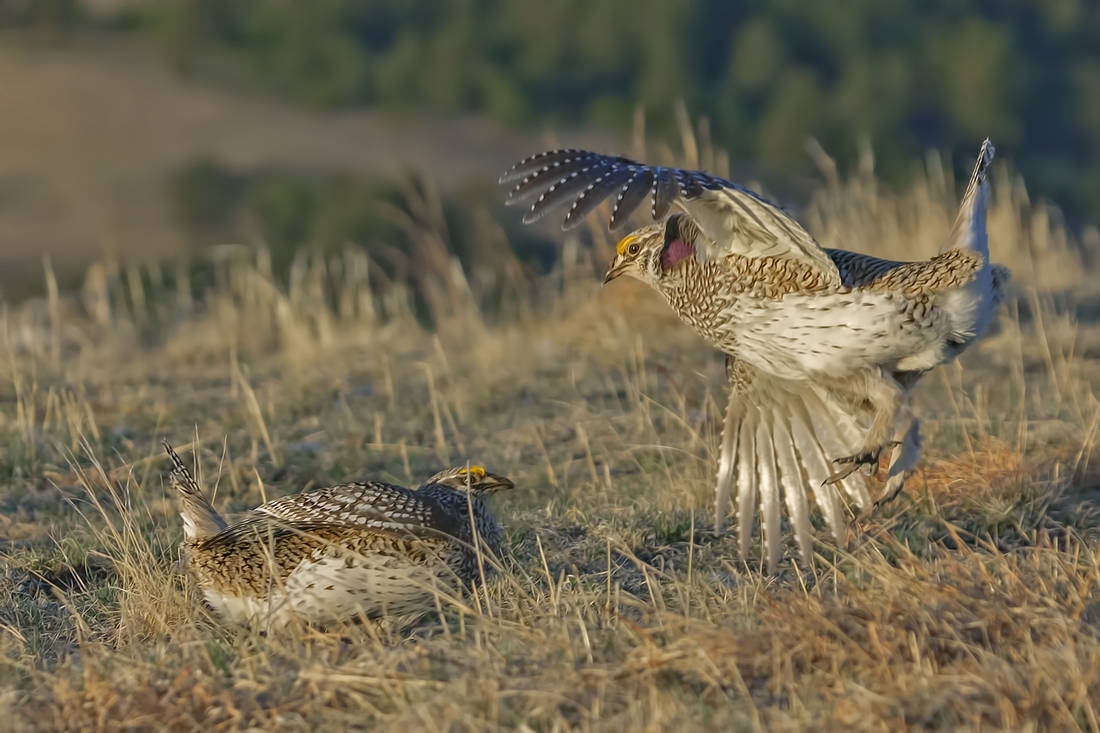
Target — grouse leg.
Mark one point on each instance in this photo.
(902, 460)
(888, 399)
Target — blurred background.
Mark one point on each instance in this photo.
(150, 130)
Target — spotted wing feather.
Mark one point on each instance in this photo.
(372, 505)
(276, 531)
(631, 196)
(663, 194)
(733, 219)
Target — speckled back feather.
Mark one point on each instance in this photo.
(370, 505)
(951, 269)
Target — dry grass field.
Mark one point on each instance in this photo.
(970, 603)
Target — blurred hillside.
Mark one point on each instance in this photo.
(144, 127)
(106, 152)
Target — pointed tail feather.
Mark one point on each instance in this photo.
(971, 309)
(968, 232)
(200, 519)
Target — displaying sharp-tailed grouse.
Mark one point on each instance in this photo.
(822, 345)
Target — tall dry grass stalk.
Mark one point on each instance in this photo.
(971, 603)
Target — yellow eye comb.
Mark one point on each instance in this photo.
(624, 243)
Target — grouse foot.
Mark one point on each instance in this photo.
(867, 460)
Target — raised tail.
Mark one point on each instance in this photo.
(971, 309)
(200, 519)
(779, 437)
(968, 233)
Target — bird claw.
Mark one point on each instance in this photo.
(867, 460)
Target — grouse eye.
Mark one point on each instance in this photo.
(633, 249)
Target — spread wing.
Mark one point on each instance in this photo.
(734, 219)
(373, 505)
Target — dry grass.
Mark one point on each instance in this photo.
(970, 603)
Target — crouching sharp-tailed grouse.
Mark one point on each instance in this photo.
(329, 554)
(823, 346)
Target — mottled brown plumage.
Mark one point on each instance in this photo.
(372, 548)
(823, 345)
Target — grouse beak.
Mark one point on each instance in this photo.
(494, 483)
(618, 267)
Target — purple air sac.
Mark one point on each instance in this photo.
(676, 252)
